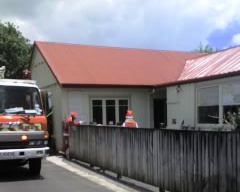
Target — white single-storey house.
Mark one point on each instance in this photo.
(167, 88)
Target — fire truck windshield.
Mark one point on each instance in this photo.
(20, 100)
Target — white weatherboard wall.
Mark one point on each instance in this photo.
(40, 71)
(46, 80)
(79, 100)
(181, 105)
(75, 100)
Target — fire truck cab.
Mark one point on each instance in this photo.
(23, 124)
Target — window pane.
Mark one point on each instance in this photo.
(97, 111)
(208, 105)
(208, 96)
(228, 112)
(123, 102)
(22, 97)
(231, 94)
(122, 113)
(208, 114)
(110, 112)
(110, 102)
(231, 101)
(123, 107)
(97, 102)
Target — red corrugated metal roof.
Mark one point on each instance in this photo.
(213, 65)
(107, 66)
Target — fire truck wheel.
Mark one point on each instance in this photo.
(35, 166)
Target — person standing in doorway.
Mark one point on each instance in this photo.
(70, 121)
(129, 122)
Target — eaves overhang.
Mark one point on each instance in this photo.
(104, 86)
(200, 79)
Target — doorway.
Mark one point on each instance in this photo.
(160, 113)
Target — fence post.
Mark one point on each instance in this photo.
(119, 175)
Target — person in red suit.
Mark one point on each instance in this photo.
(129, 122)
(70, 121)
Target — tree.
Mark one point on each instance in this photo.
(205, 49)
(15, 50)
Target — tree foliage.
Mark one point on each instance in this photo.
(205, 49)
(15, 50)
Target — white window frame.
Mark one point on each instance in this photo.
(104, 108)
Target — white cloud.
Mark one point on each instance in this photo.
(236, 39)
(154, 24)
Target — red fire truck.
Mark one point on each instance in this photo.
(23, 124)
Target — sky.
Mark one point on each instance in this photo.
(180, 25)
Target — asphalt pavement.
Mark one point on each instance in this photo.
(62, 175)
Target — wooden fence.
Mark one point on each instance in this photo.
(174, 160)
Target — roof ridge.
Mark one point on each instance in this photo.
(112, 47)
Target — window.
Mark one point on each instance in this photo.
(109, 111)
(208, 105)
(230, 99)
